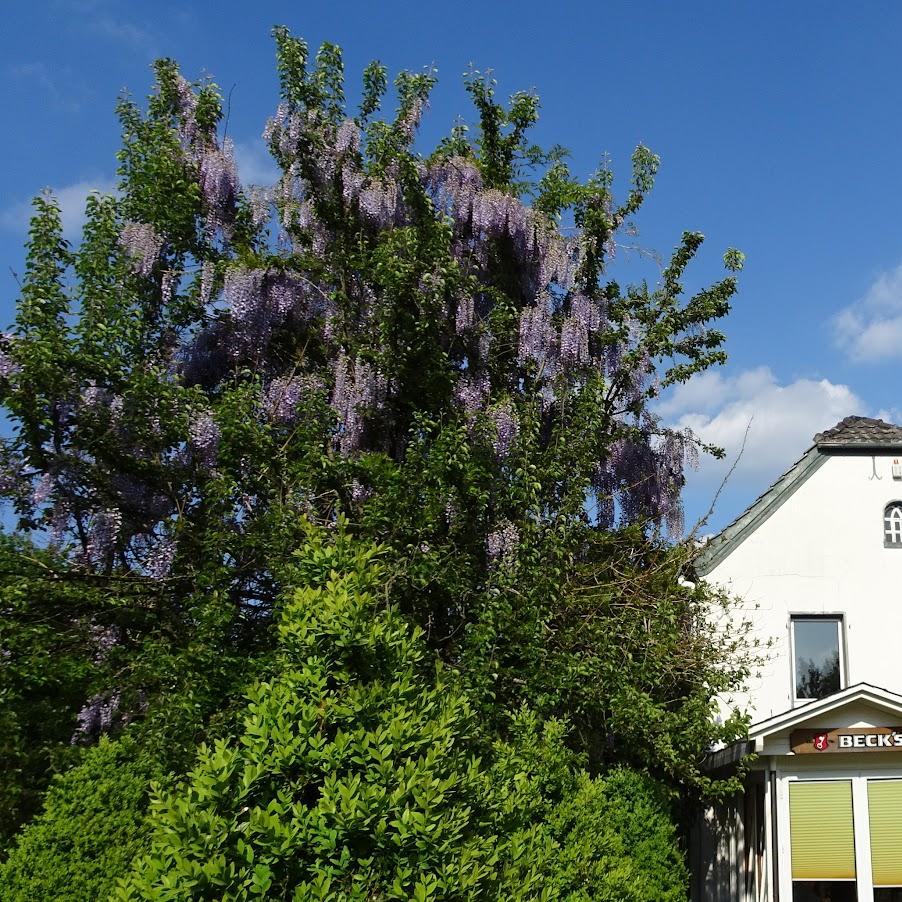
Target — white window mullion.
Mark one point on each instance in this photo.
(862, 839)
(892, 524)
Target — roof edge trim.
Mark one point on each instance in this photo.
(866, 692)
(760, 510)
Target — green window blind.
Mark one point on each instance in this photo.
(885, 815)
(821, 830)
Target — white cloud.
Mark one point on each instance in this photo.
(125, 33)
(51, 83)
(101, 17)
(890, 414)
(776, 422)
(71, 199)
(871, 328)
(255, 163)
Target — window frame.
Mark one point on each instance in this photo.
(801, 616)
(887, 508)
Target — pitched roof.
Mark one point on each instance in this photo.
(860, 432)
(852, 434)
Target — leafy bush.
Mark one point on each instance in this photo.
(348, 779)
(353, 778)
(91, 827)
(570, 836)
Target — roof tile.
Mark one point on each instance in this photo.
(860, 431)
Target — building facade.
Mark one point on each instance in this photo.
(816, 562)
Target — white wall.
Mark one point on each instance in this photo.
(822, 552)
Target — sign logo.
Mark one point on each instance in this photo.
(846, 739)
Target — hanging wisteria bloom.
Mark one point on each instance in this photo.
(260, 201)
(187, 109)
(143, 244)
(103, 535)
(96, 717)
(360, 492)
(502, 543)
(160, 555)
(507, 427)
(104, 638)
(472, 393)
(538, 338)
(282, 398)
(574, 342)
(168, 284)
(347, 139)
(8, 366)
(410, 121)
(219, 183)
(464, 318)
(357, 389)
(207, 275)
(203, 438)
(43, 490)
(94, 396)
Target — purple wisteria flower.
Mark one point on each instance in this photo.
(465, 316)
(104, 638)
(587, 312)
(203, 438)
(94, 396)
(13, 482)
(168, 283)
(207, 276)
(143, 244)
(538, 338)
(103, 535)
(139, 499)
(472, 393)
(410, 121)
(260, 202)
(380, 203)
(347, 139)
(60, 517)
(219, 183)
(160, 555)
(96, 717)
(282, 398)
(360, 492)
(453, 184)
(574, 342)
(501, 544)
(8, 366)
(507, 427)
(187, 111)
(358, 388)
(43, 490)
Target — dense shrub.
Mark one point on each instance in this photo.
(567, 835)
(353, 778)
(91, 826)
(348, 779)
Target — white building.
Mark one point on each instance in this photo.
(817, 562)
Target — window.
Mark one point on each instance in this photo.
(892, 525)
(817, 656)
(822, 847)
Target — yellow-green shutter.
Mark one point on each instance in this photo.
(821, 830)
(885, 815)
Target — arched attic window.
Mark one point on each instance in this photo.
(892, 525)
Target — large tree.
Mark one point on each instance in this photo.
(426, 344)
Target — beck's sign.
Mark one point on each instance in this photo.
(849, 739)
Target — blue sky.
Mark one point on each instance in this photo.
(778, 126)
